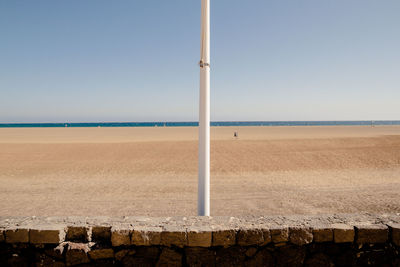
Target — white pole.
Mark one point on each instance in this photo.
(204, 114)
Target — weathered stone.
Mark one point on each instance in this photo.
(170, 257)
(2, 236)
(373, 258)
(174, 238)
(55, 253)
(250, 237)
(395, 228)
(17, 260)
(201, 257)
(44, 236)
(319, 260)
(343, 233)
(125, 252)
(135, 261)
(369, 234)
(262, 258)
(99, 254)
(17, 235)
(120, 237)
(148, 252)
(231, 256)
(323, 234)
(224, 238)
(267, 236)
(250, 252)
(199, 238)
(300, 235)
(77, 234)
(292, 256)
(279, 235)
(146, 236)
(101, 234)
(77, 254)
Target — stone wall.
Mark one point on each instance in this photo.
(335, 240)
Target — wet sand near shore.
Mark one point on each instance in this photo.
(153, 171)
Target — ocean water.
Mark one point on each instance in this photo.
(192, 123)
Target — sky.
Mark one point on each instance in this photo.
(271, 60)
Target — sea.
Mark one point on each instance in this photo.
(193, 123)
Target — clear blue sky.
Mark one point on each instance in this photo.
(137, 60)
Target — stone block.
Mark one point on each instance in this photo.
(395, 228)
(101, 234)
(267, 236)
(292, 256)
(231, 256)
(279, 234)
(262, 258)
(17, 235)
(343, 233)
(199, 238)
(124, 253)
(41, 236)
(225, 238)
(372, 234)
(169, 257)
(77, 234)
(318, 260)
(250, 237)
(200, 257)
(120, 237)
(300, 235)
(77, 254)
(322, 234)
(2, 236)
(146, 236)
(251, 251)
(100, 254)
(174, 237)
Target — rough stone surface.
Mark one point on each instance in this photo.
(200, 257)
(199, 238)
(99, 254)
(17, 235)
(292, 256)
(120, 237)
(231, 256)
(2, 236)
(267, 236)
(300, 235)
(44, 236)
(328, 240)
(174, 238)
(123, 253)
(170, 257)
(319, 260)
(77, 254)
(343, 233)
(250, 237)
(395, 228)
(77, 234)
(279, 234)
(371, 234)
(224, 238)
(146, 236)
(262, 258)
(101, 234)
(322, 234)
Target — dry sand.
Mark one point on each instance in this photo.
(153, 171)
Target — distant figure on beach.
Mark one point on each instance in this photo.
(235, 134)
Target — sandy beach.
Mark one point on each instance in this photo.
(153, 171)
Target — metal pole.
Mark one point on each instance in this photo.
(204, 114)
